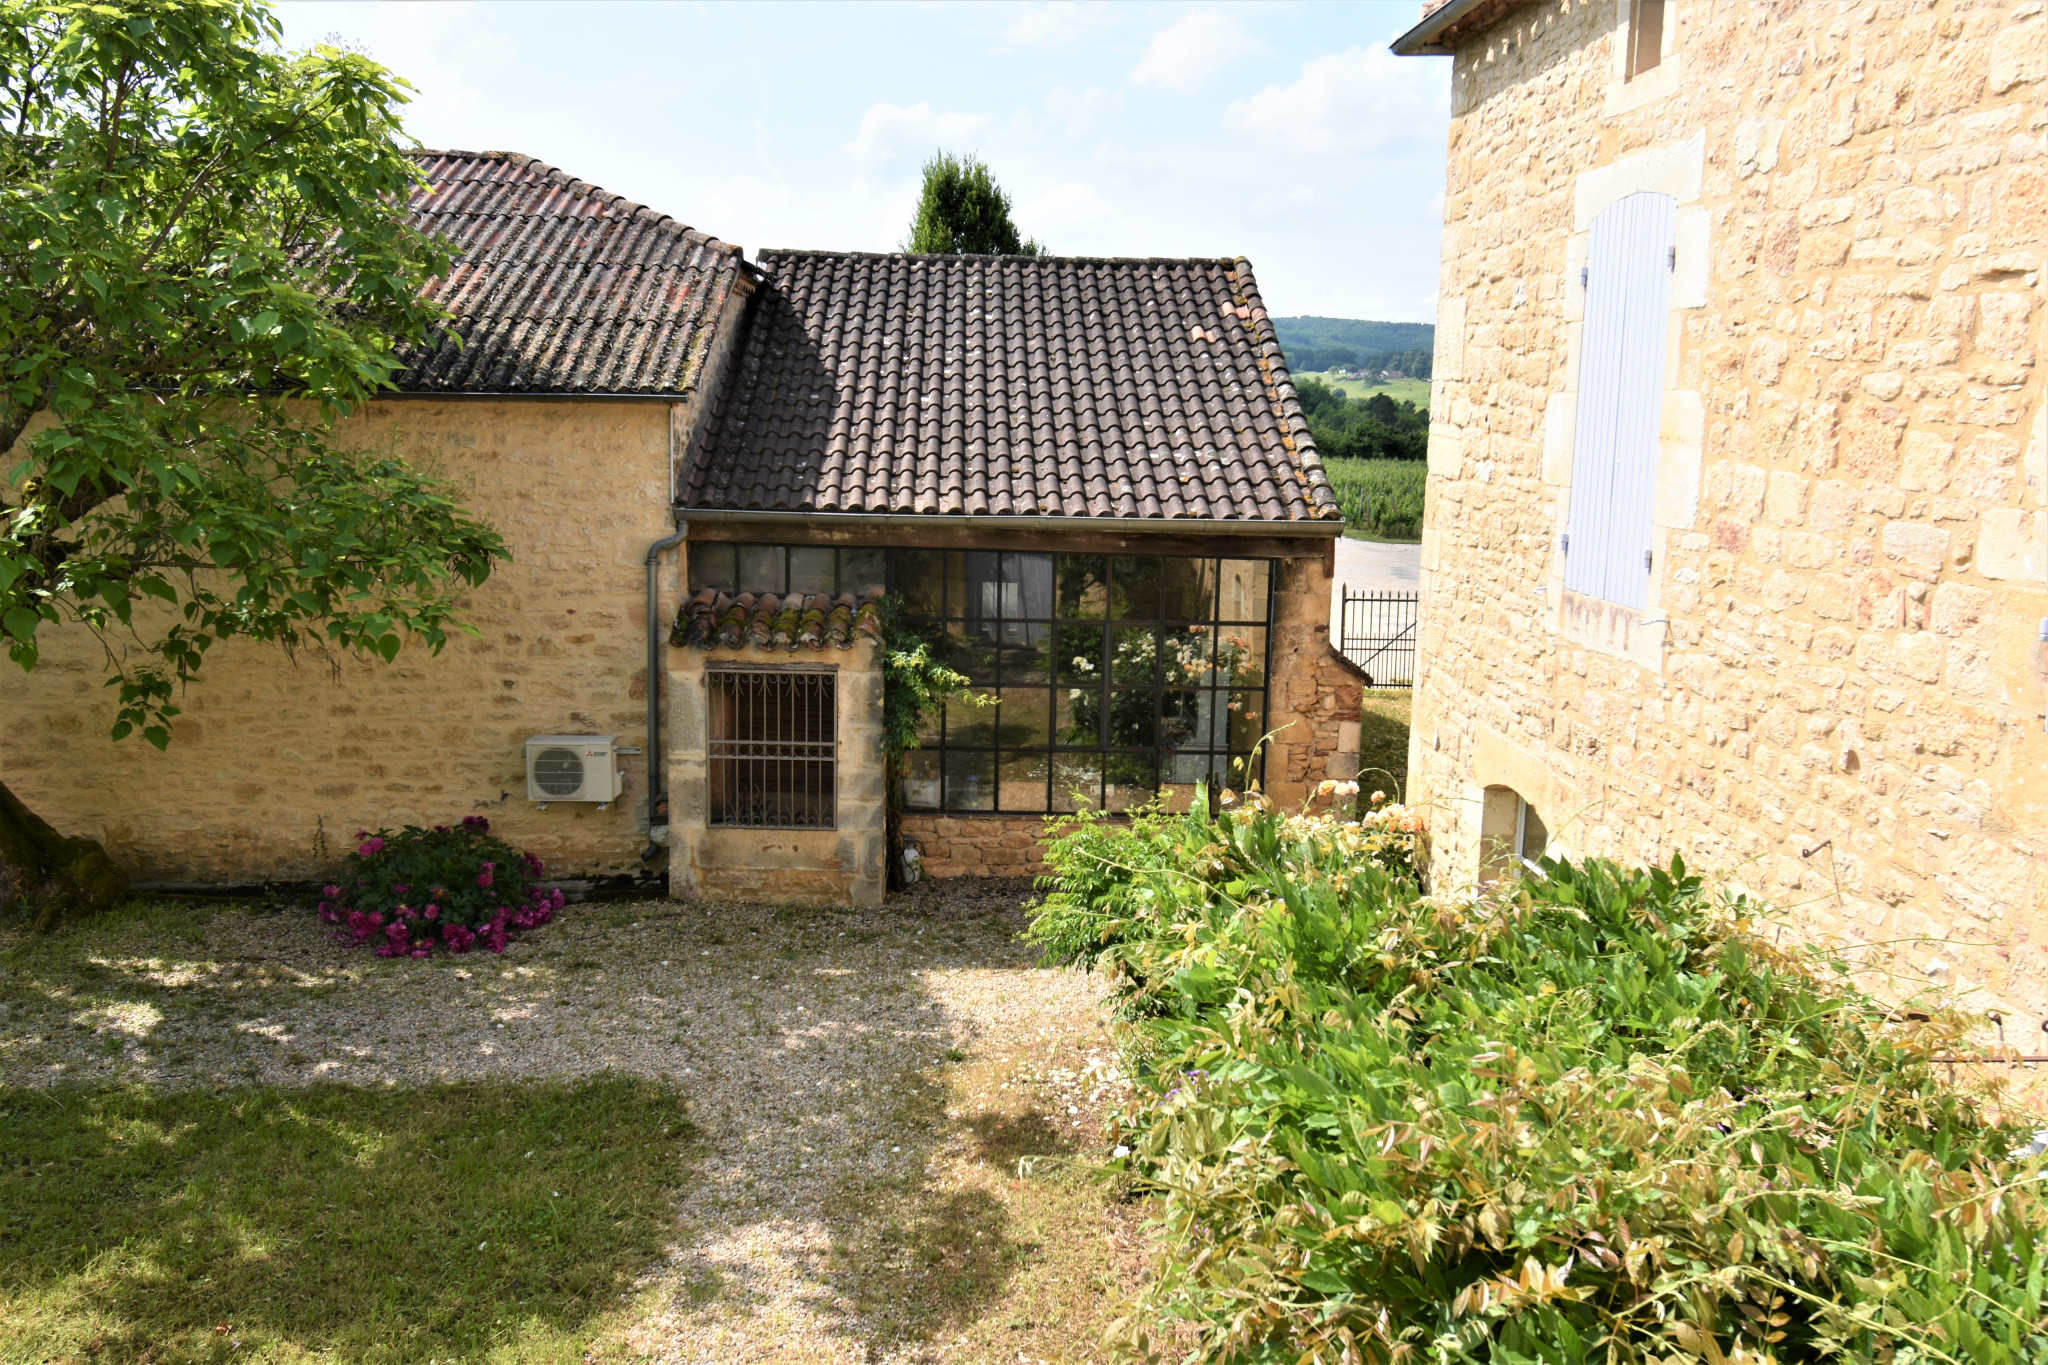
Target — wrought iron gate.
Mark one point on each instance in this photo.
(1376, 631)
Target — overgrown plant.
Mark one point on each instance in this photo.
(1593, 1116)
(454, 888)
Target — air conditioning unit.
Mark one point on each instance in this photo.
(573, 768)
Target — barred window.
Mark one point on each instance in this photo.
(773, 748)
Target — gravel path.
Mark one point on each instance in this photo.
(864, 1082)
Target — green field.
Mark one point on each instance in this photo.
(1414, 391)
(1382, 499)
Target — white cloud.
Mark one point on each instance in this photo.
(1051, 25)
(887, 128)
(1078, 113)
(1064, 206)
(1354, 101)
(1195, 48)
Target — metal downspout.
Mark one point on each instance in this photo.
(657, 770)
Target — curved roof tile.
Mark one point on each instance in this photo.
(1010, 385)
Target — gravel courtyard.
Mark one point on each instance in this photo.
(864, 1085)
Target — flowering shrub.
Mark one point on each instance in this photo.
(456, 888)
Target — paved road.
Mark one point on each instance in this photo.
(1373, 565)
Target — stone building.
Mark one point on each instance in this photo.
(1735, 544)
(1089, 481)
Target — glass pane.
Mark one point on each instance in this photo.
(1185, 656)
(1188, 589)
(1031, 578)
(1076, 781)
(970, 781)
(917, 777)
(1135, 658)
(1246, 718)
(1241, 655)
(1188, 769)
(1083, 587)
(984, 592)
(1128, 780)
(1080, 654)
(1077, 716)
(1026, 719)
(1134, 581)
(972, 655)
(813, 568)
(969, 724)
(1243, 597)
(713, 566)
(921, 579)
(956, 583)
(1187, 720)
(762, 569)
(1028, 660)
(1023, 781)
(1133, 718)
(863, 571)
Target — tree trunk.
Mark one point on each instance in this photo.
(52, 879)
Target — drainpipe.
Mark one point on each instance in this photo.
(657, 769)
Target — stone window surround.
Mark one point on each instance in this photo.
(1676, 169)
(1625, 95)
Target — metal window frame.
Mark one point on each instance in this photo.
(1221, 759)
(755, 761)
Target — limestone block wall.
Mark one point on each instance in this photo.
(840, 866)
(276, 761)
(1836, 695)
(979, 845)
(1313, 698)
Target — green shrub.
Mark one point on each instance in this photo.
(1380, 497)
(1589, 1117)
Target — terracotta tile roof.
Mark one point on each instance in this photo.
(561, 287)
(1048, 386)
(713, 620)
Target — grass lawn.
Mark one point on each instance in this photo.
(1383, 741)
(479, 1222)
(1414, 391)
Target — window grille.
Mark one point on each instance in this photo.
(773, 748)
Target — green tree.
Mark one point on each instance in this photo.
(205, 262)
(964, 212)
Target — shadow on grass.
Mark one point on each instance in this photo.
(451, 1222)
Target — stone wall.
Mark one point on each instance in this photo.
(838, 866)
(978, 845)
(276, 761)
(1836, 693)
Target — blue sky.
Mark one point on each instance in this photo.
(1281, 132)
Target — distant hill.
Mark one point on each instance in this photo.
(1313, 344)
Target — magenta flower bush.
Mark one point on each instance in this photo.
(420, 889)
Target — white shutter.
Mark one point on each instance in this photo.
(1621, 395)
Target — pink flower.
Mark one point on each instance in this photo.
(433, 912)
(372, 846)
(400, 889)
(332, 893)
(485, 878)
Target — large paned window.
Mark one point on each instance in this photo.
(1105, 677)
